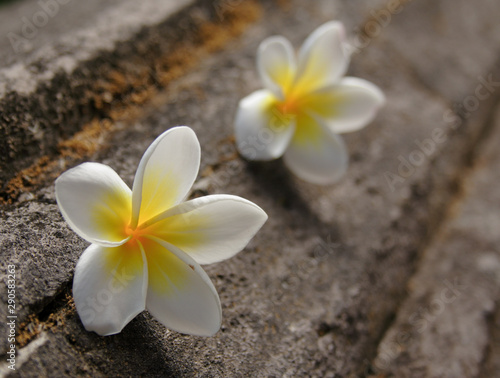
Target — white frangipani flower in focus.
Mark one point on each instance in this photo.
(147, 244)
(305, 104)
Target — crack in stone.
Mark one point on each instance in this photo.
(456, 195)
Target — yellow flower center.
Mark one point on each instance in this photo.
(135, 233)
(298, 107)
(291, 106)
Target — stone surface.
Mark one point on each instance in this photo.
(453, 64)
(321, 284)
(448, 325)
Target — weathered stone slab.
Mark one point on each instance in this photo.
(446, 327)
(448, 45)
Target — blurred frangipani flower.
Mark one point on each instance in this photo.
(306, 102)
(147, 243)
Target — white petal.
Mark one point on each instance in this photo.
(109, 287)
(95, 202)
(316, 154)
(180, 294)
(323, 58)
(210, 229)
(262, 132)
(276, 64)
(165, 174)
(348, 106)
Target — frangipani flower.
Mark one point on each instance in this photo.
(147, 244)
(305, 103)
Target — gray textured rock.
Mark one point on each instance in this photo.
(454, 63)
(445, 328)
(318, 287)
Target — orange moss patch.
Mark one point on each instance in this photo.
(87, 141)
(32, 327)
(84, 143)
(135, 87)
(214, 35)
(25, 179)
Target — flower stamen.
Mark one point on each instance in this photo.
(133, 233)
(289, 106)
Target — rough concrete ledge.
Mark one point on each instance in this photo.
(115, 59)
(447, 325)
